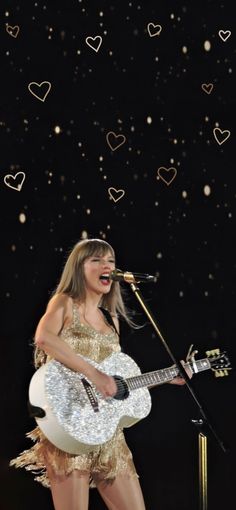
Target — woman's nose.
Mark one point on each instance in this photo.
(106, 264)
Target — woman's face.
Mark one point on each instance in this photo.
(94, 268)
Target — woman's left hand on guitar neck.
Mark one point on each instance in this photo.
(179, 380)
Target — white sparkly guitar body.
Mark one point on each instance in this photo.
(75, 417)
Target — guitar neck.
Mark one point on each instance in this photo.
(165, 375)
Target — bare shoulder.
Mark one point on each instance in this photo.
(59, 302)
(55, 316)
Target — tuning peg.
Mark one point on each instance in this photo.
(221, 373)
(213, 352)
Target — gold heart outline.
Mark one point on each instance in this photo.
(117, 191)
(93, 39)
(206, 86)
(9, 28)
(151, 25)
(116, 136)
(224, 34)
(18, 188)
(39, 85)
(166, 170)
(215, 131)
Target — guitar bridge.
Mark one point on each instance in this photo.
(91, 395)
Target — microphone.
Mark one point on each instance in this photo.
(119, 276)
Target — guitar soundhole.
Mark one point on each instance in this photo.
(123, 390)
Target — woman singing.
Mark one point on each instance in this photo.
(75, 324)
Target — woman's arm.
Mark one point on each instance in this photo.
(46, 338)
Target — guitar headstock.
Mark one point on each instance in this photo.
(219, 361)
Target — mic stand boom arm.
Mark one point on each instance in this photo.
(204, 421)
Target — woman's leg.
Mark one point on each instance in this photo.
(123, 494)
(69, 492)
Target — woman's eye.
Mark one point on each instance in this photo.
(97, 259)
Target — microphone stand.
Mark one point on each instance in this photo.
(203, 423)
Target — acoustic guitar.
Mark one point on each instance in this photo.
(75, 417)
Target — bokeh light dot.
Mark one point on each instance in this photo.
(207, 190)
(22, 218)
(207, 45)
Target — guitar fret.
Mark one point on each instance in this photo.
(199, 365)
(164, 375)
(135, 381)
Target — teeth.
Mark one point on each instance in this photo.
(104, 276)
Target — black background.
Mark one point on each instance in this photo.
(177, 231)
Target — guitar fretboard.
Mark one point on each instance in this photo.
(165, 375)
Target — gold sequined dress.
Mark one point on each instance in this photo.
(106, 461)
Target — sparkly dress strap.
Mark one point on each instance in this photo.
(75, 315)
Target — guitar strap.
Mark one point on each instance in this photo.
(109, 319)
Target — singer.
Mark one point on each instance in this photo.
(81, 318)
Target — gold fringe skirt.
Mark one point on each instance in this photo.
(103, 464)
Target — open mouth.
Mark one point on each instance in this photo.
(105, 278)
